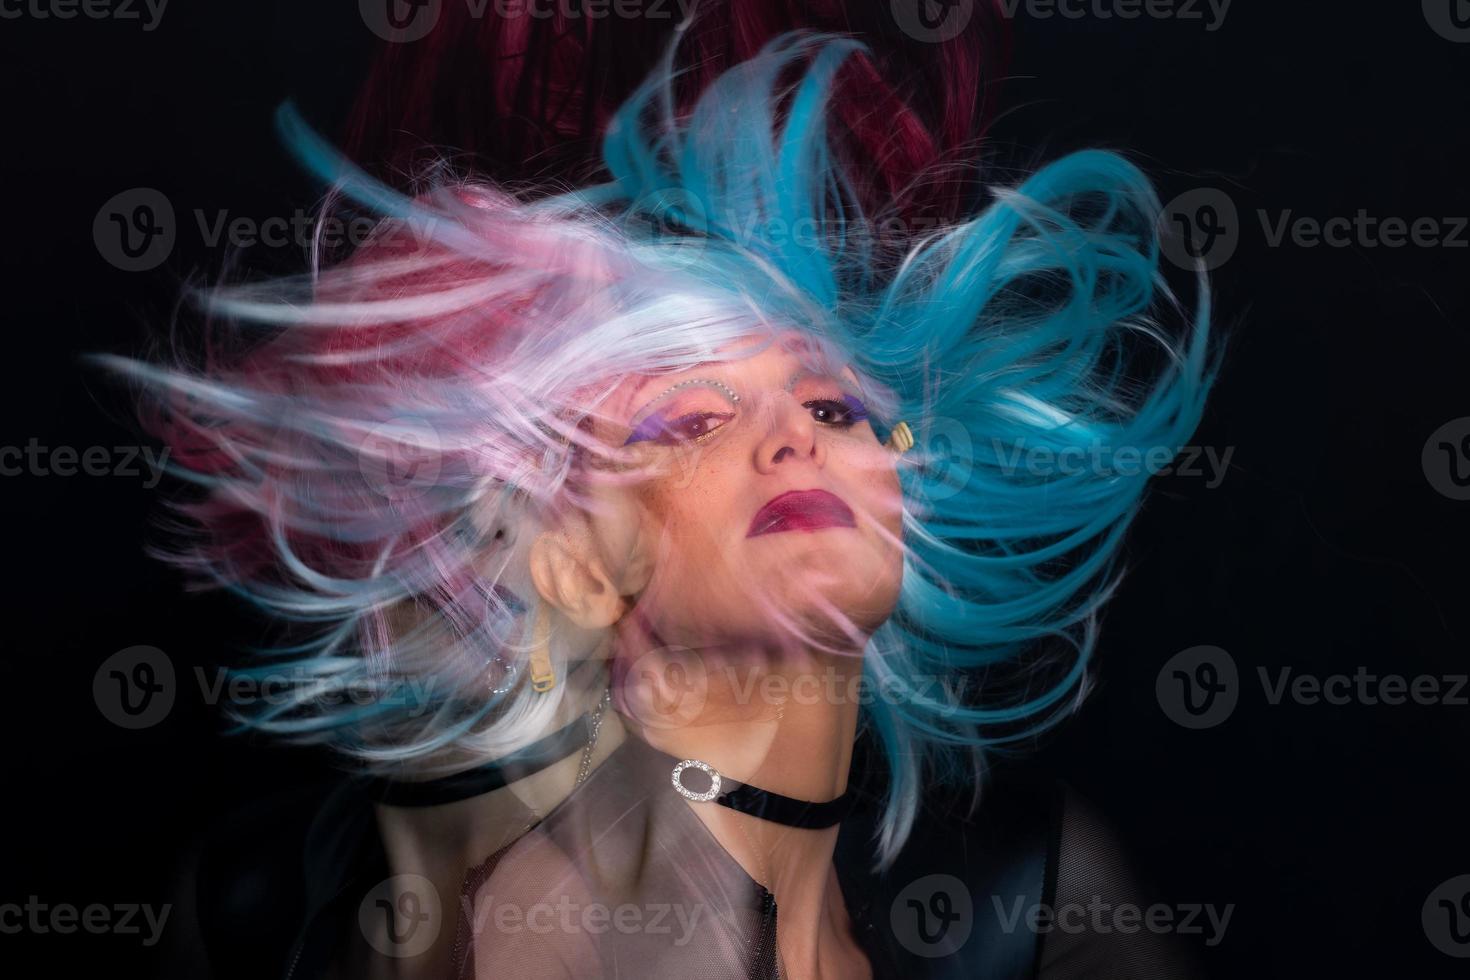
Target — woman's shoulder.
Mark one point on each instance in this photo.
(1102, 918)
(935, 909)
(1009, 889)
(265, 868)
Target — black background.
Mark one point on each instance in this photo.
(1325, 548)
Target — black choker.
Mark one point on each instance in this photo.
(482, 779)
(762, 803)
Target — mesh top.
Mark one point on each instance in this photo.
(624, 880)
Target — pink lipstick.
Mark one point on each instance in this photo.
(801, 510)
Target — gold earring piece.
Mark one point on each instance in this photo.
(901, 439)
(543, 675)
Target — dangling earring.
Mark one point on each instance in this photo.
(543, 675)
(901, 439)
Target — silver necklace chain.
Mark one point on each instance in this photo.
(758, 854)
(596, 729)
(595, 726)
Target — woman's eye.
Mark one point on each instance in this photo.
(843, 412)
(685, 428)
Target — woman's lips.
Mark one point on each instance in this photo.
(801, 510)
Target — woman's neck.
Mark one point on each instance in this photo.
(786, 729)
(774, 728)
(444, 842)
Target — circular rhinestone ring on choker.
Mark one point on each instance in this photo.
(689, 794)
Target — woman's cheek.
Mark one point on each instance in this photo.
(876, 471)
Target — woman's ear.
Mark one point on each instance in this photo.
(568, 572)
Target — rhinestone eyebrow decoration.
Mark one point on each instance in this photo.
(730, 392)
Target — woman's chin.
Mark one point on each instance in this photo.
(830, 564)
(833, 594)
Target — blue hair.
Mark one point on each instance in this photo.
(1027, 330)
(1022, 331)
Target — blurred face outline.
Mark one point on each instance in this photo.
(702, 451)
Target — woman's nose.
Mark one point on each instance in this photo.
(790, 436)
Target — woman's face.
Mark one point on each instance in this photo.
(768, 509)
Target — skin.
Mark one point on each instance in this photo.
(713, 631)
(441, 842)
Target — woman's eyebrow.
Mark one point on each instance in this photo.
(668, 388)
(839, 375)
(653, 389)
